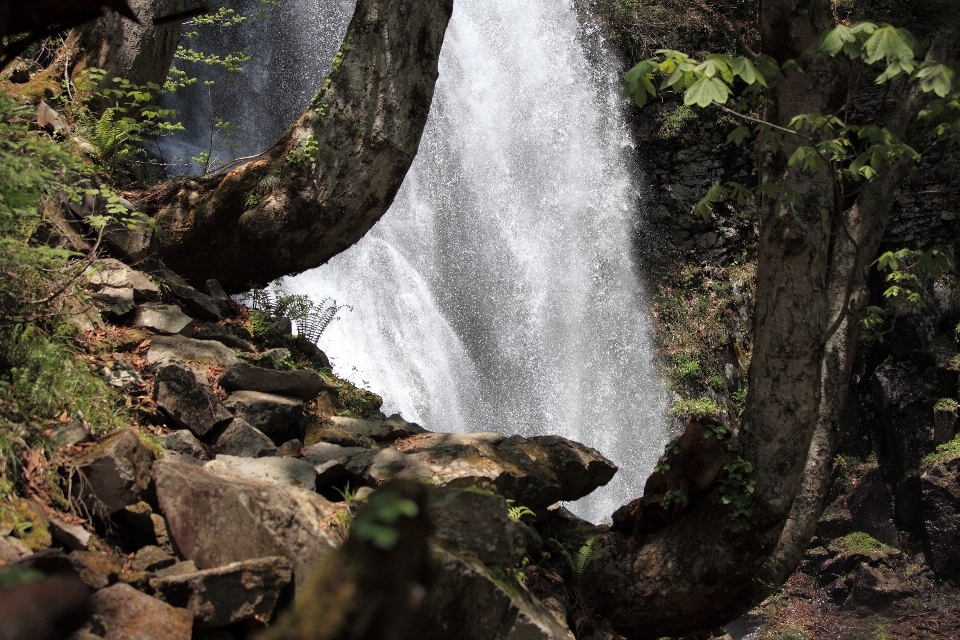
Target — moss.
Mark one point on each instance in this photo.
(700, 407)
(860, 542)
(948, 405)
(25, 523)
(944, 453)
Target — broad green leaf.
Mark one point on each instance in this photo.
(739, 192)
(793, 65)
(798, 156)
(886, 42)
(834, 40)
(893, 71)
(748, 73)
(768, 68)
(737, 135)
(935, 77)
(706, 91)
(640, 96)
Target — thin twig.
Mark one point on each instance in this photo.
(757, 120)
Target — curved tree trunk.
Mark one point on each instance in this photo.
(695, 572)
(332, 175)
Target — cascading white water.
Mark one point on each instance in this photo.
(500, 291)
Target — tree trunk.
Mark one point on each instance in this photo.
(696, 573)
(332, 175)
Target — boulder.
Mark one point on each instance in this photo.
(290, 449)
(72, 536)
(330, 462)
(535, 472)
(96, 569)
(71, 433)
(327, 432)
(869, 504)
(392, 428)
(273, 470)
(877, 587)
(117, 471)
(242, 440)
(188, 404)
(303, 384)
(940, 501)
(163, 318)
(200, 304)
(232, 593)
(48, 119)
(177, 569)
(204, 353)
(267, 412)
(123, 612)
(113, 303)
(139, 526)
(12, 551)
(121, 376)
(184, 441)
(479, 522)
(152, 558)
(109, 273)
(466, 602)
(218, 520)
(233, 337)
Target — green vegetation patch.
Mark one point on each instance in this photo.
(860, 542)
(944, 453)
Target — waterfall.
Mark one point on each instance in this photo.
(501, 292)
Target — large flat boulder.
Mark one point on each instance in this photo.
(241, 439)
(217, 520)
(190, 405)
(205, 353)
(123, 612)
(271, 470)
(117, 471)
(392, 428)
(535, 472)
(109, 273)
(267, 412)
(302, 384)
(232, 593)
(163, 318)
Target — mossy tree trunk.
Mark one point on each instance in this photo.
(335, 171)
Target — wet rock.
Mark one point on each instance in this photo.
(273, 470)
(265, 411)
(187, 403)
(123, 612)
(152, 558)
(184, 441)
(877, 587)
(163, 318)
(243, 440)
(478, 522)
(536, 472)
(302, 384)
(109, 273)
(72, 536)
(217, 520)
(233, 337)
(940, 496)
(465, 602)
(117, 471)
(228, 594)
(392, 428)
(205, 353)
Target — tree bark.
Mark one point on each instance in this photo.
(697, 573)
(332, 175)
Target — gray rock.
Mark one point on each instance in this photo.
(877, 587)
(232, 593)
(229, 336)
(71, 536)
(265, 411)
(467, 603)
(121, 376)
(177, 569)
(112, 302)
(217, 291)
(200, 304)
(163, 318)
(216, 520)
(152, 558)
(117, 471)
(48, 119)
(302, 384)
(535, 472)
(127, 613)
(188, 404)
(272, 358)
(71, 433)
(330, 461)
(478, 522)
(204, 353)
(242, 440)
(275, 470)
(184, 441)
(392, 428)
(290, 449)
(110, 273)
(12, 551)
(138, 526)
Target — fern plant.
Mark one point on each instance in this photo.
(311, 318)
(578, 563)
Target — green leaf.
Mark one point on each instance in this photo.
(737, 135)
(706, 91)
(793, 65)
(834, 40)
(739, 192)
(935, 77)
(886, 42)
(744, 68)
